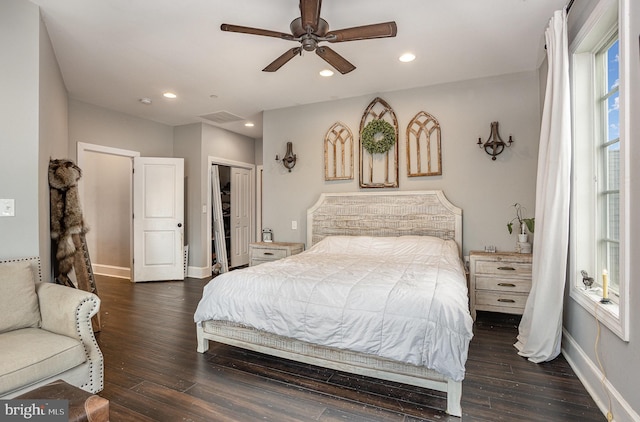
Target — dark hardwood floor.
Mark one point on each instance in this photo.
(153, 373)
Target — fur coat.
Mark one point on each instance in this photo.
(66, 213)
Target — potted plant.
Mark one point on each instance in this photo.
(525, 223)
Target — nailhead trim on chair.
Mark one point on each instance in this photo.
(29, 259)
(91, 369)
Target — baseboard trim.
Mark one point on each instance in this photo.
(591, 377)
(111, 271)
(121, 272)
(198, 272)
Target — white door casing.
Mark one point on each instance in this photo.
(158, 223)
(240, 215)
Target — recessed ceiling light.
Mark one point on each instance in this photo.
(326, 73)
(145, 101)
(407, 57)
(169, 95)
(249, 124)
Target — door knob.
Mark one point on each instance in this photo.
(179, 224)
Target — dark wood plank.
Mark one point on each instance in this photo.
(153, 373)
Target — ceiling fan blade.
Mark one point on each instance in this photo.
(255, 31)
(310, 14)
(334, 59)
(376, 30)
(282, 60)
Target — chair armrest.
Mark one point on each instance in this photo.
(68, 311)
(65, 310)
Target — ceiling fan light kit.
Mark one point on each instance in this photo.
(310, 30)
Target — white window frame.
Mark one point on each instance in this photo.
(599, 27)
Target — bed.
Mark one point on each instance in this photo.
(403, 257)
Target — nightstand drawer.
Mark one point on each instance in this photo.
(503, 300)
(503, 284)
(268, 254)
(261, 252)
(503, 268)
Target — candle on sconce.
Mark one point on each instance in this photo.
(605, 285)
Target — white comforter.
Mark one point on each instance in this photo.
(402, 298)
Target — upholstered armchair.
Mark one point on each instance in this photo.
(45, 332)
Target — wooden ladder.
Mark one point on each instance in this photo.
(84, 273)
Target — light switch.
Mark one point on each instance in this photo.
(7, 207)
(294, 225)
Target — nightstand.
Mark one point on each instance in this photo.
(499, 282)
(261, 252)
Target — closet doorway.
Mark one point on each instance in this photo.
(232, 216)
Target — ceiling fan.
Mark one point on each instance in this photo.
(310, 29)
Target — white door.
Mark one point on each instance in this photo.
(158, 219)
(220, 245)
(240, 215)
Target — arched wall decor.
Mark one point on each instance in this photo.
(338, 153)
(423, 146)
(379, 170)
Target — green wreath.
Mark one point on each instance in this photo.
(378, 136)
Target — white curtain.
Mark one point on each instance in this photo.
(540, 330)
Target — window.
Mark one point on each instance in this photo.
(597, 242)
(608, 164)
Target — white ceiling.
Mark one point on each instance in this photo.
(114, 52)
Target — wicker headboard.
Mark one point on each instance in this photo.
(397, 213)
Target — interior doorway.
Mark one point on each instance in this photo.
(109, 193)
(107, 207)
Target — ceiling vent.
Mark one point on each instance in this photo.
(222, 117)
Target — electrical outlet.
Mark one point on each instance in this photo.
(294, 225)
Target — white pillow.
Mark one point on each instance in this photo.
(18, 300)
(389, 246)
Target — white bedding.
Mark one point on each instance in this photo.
(401, 298)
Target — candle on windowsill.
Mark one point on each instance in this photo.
(605, 286)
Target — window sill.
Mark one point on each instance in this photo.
(607, 313)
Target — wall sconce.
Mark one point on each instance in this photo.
(494, 145)
(289, 159)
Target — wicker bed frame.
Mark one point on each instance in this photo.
(426, 213)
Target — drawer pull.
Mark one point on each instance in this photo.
(506, 285)
(268, 253)
(507, 300)
(506, 268)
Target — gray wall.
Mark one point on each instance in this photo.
(188, 145)
(106, 209)
(19, 116)
(33, 117)
(53, 134)
(196, 143)
(484, 189)
(619, 359)
(97, 125)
